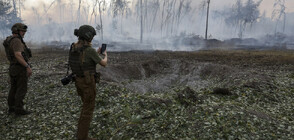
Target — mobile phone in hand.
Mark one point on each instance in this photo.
(103, 48)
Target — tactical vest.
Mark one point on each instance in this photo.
(76, 61)
(10, 52)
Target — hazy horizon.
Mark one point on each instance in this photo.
(265, 6)
(55, 20)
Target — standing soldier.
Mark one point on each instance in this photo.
(83, 60)
(18, 55)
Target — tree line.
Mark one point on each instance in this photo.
(10, 13)
(152, 16)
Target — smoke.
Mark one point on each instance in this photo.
(167, 24)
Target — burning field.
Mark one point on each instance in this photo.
(162, 95)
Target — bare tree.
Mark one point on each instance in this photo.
(61, 7)
(141, 20)
(173, 19)
(204, 7)
(47, 9)
(184, 11)
(243, 14)
(79, 12)
(208, 2)
(145, 15)
(120, 7)
(94, 12)
(37, 15)
(167, 19)
(71, 9)
(162, 15)
(17, 6)
(278, 13)
(156, 7)
(14, 6)
(165, 15)
(20, 6)
(101, 7)
(179, 13)
(86, 10)
(7, 17)
(144, 10)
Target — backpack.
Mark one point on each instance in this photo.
(8, 51)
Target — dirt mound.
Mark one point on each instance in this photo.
(161, 71)
(160, 75)
(188, 97)
(222, 91)
(134, 71)
(216, 71)
(153, 76)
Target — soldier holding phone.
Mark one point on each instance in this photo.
(83, 60)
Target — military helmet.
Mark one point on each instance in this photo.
(19, 27)
(85, 32)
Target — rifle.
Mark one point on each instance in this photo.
(26, 58)
(26, 49)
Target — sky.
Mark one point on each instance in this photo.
(266, 5)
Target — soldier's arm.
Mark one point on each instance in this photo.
(17, 47)
(103, 62)
(96, 58)
(21, 60)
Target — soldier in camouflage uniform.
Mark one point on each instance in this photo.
(18, 55)
(83, 60)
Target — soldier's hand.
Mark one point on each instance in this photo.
(105, 53)
(99, 50)
(29, 71)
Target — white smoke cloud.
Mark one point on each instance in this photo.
(56, 21)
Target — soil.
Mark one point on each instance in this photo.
(159, 71)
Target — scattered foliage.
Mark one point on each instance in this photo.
(260, 105)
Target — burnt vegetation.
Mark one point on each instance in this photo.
(162, 95)
(204, 88)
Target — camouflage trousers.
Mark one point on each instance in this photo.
(86, 88)
(18, 87)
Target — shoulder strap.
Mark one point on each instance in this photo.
(13, 37)
(68, 57)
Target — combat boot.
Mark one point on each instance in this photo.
(11, 110)
(88, 139)
(22, 112)
(91, 138)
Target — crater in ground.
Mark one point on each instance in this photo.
(160, 71)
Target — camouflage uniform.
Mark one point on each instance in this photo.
(17, 73)
(83, 60)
